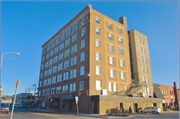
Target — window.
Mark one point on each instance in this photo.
(60, 66)
(54, 79)
(144, 50)
(142, 59)
(61, 56)
(76, 26)
(51, 53)
(48, 48)
(72, 61)
(110, 86)
(74, 72)
(98, 70)
(55, 69)
(110, 36)
(41, 75)
(98, 85)
(61, 46)
(40, 85)
(82, 56)
(50, 62)
(122, 75)
(122, 63)
(81, 86)
(119, 30)
(47, 56)
(45, 73)
(52, 45)
(120, 40)
(71, 74)
(141, 49)
(49, 81)
(149, 90)
(98, 43)
(60, 77)
(83, 31)
(145, 60)
(65, 65)
(63, 36)
(115, 87)
(39, 93)
(111, 60)
(83, 43)
(70, 31)
(56, 50)
(82, 70)
(97, 20)
(72, 50)
(43, 59)
(144, 80)
(57, 90)
(66, 88)
(112, 73)
(83, 21)
(45, 82)
(75, 48)
(50, 71)
(98, 56)
(143, 42)
(67, 75)
(46, 64)
(147, 80)
(73, 39)
(76, 37)
(98, 31)
(143, 69)
(74, 86)
(64, 76)
(70, 90)
(66, 33)
(139, 40)
(110, 25)
(111, 48)
(121, 51)
(146, 69)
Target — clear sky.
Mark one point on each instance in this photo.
(25, 26)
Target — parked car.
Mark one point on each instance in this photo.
(154, 110)
(4, 108)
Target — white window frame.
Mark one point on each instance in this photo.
(98, 85)
(112, 73)
(81, 85)
(98, 70)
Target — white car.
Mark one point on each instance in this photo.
(154, 110)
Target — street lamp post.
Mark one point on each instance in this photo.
(1, 65)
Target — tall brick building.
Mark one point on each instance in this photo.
(90, 58)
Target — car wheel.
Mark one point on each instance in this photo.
(141, 112)
(154, 112)
(144, 112)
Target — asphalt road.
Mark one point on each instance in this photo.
(21, 113)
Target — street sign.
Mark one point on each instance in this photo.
(18, 83)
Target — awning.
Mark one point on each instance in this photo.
(69, 97)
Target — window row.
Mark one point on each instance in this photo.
(143, 59)
(142, 41)
(146, 70)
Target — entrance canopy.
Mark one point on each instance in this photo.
(69, 97)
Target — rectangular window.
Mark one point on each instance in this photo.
(59, 89)
(110, 36)
(82, 70)
(67, 75)
(112, 73)
(98, 31)
(139, 40)
(70, 31)
(72, 50)
(121, 51)
(149, 90)
(83, 43)
(77, 26)
(68, 53)
(110, 86)
(64, 77)
(141, 49)
(119, 30)
(66, 33)
(74, 86)
(82, 56)
(115, 87)
(142, 59)
(71, 75)
(55, 69)
(47, 56)
(60, 77)
(98, 85)
(110, 25)
(63, 36)
(41, 75)
(98, 70)
(98, 56)
(146, 69)
(145, 60)
(48, 48)
(97, 20)
(73, 39)
(76, 37)
(147, 80)
(144, 50)
(66, 88)
(75, 60)
(120, 40)
(143, 69)
(111, 48)
(83, 21)
(72, 61)
(144, 80)
(67, 64)
(111, 60)
(70, 90)
(98, 43)
(74, 28)
(83, 31)
(81, 87)
(122, 63)
(143, 42)
(40, 85)
(75, 48)
(122, 75)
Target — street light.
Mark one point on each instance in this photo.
(1, 65)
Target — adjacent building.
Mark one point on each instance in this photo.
(95, 58)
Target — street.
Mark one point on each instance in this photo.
(24, 113)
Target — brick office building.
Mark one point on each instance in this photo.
(90, 58)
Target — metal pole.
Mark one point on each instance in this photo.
(77, 108)
(13, 104)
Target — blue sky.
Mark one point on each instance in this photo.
(25, 26)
